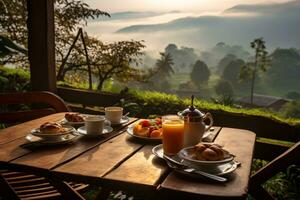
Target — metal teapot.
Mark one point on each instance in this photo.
(194, 126)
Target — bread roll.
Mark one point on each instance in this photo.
(209, 152)
(51, 128)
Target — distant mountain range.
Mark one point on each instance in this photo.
(278, 23)
(133, 15)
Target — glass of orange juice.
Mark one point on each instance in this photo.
(173, 130)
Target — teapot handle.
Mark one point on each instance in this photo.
(211, 121)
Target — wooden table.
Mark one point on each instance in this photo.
(122, 162)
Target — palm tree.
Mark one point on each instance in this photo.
(164, 64)
(261, 62)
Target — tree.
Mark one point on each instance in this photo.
(164, 65)
(200, 73)
(68, 16)
(293, 95)
(261, 62)
(182, 57)
(284, 73)
(224, 62)
(291, 109)
(9, 48)
(160, 74)
(232, 70)
(106, 60)
(224, 88)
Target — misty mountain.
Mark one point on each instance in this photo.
(277, 23)
(132, 15)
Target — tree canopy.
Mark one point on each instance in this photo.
(107, 60)
(200, 73)
(232, 70)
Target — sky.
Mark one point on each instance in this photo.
(171, 5)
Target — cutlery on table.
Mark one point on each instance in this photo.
(178, 165)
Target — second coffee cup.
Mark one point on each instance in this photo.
(114, 114)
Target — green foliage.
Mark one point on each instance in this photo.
(68, 15)
(232, 70)
(160, 103)
(285, 70)
(8, 48)
(13, 79)
(200, 73)
(164, 65)
(183, 57)
(224, 88)
(293, 95)
(224, 62)
(262, 61)
(291, 109)
(284, 185)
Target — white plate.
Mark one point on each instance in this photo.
(106, 129)
(130, 132)
(62, 140)
(187, 155)
(54, 137)
(223, 169)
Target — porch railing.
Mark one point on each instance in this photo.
(283, 133)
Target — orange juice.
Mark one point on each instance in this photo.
(173, 130)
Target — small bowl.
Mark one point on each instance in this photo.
(187, 154)
(53, 136)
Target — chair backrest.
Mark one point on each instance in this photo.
(279, 164)
(40, 97)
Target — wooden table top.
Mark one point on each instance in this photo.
(117, 158)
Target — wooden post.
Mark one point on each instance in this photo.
(41, 45)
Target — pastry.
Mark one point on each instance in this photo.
(74, 117)
(209, 152)
(51, 128)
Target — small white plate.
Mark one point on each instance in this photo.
(62, 140)
(106, 129)
(123, 120)
(64, 121)
(221, 170)
(130, 132)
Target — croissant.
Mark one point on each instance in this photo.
(51, 128)
(74, 117)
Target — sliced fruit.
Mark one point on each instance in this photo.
(145, 123)
(143, 132)
(156, 134)
(137, 128)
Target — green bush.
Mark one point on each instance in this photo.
(158, 103)
(13, 79)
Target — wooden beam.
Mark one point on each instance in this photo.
(41, 45)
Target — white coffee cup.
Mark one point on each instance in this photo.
(95, 124)
(114, 114)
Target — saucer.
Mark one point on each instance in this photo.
(222, 169)
(65, 139)
(123, 120)
(106, 129)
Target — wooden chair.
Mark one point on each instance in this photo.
(279, 164)
(19, 182)
(45, 98)
(40, 184)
